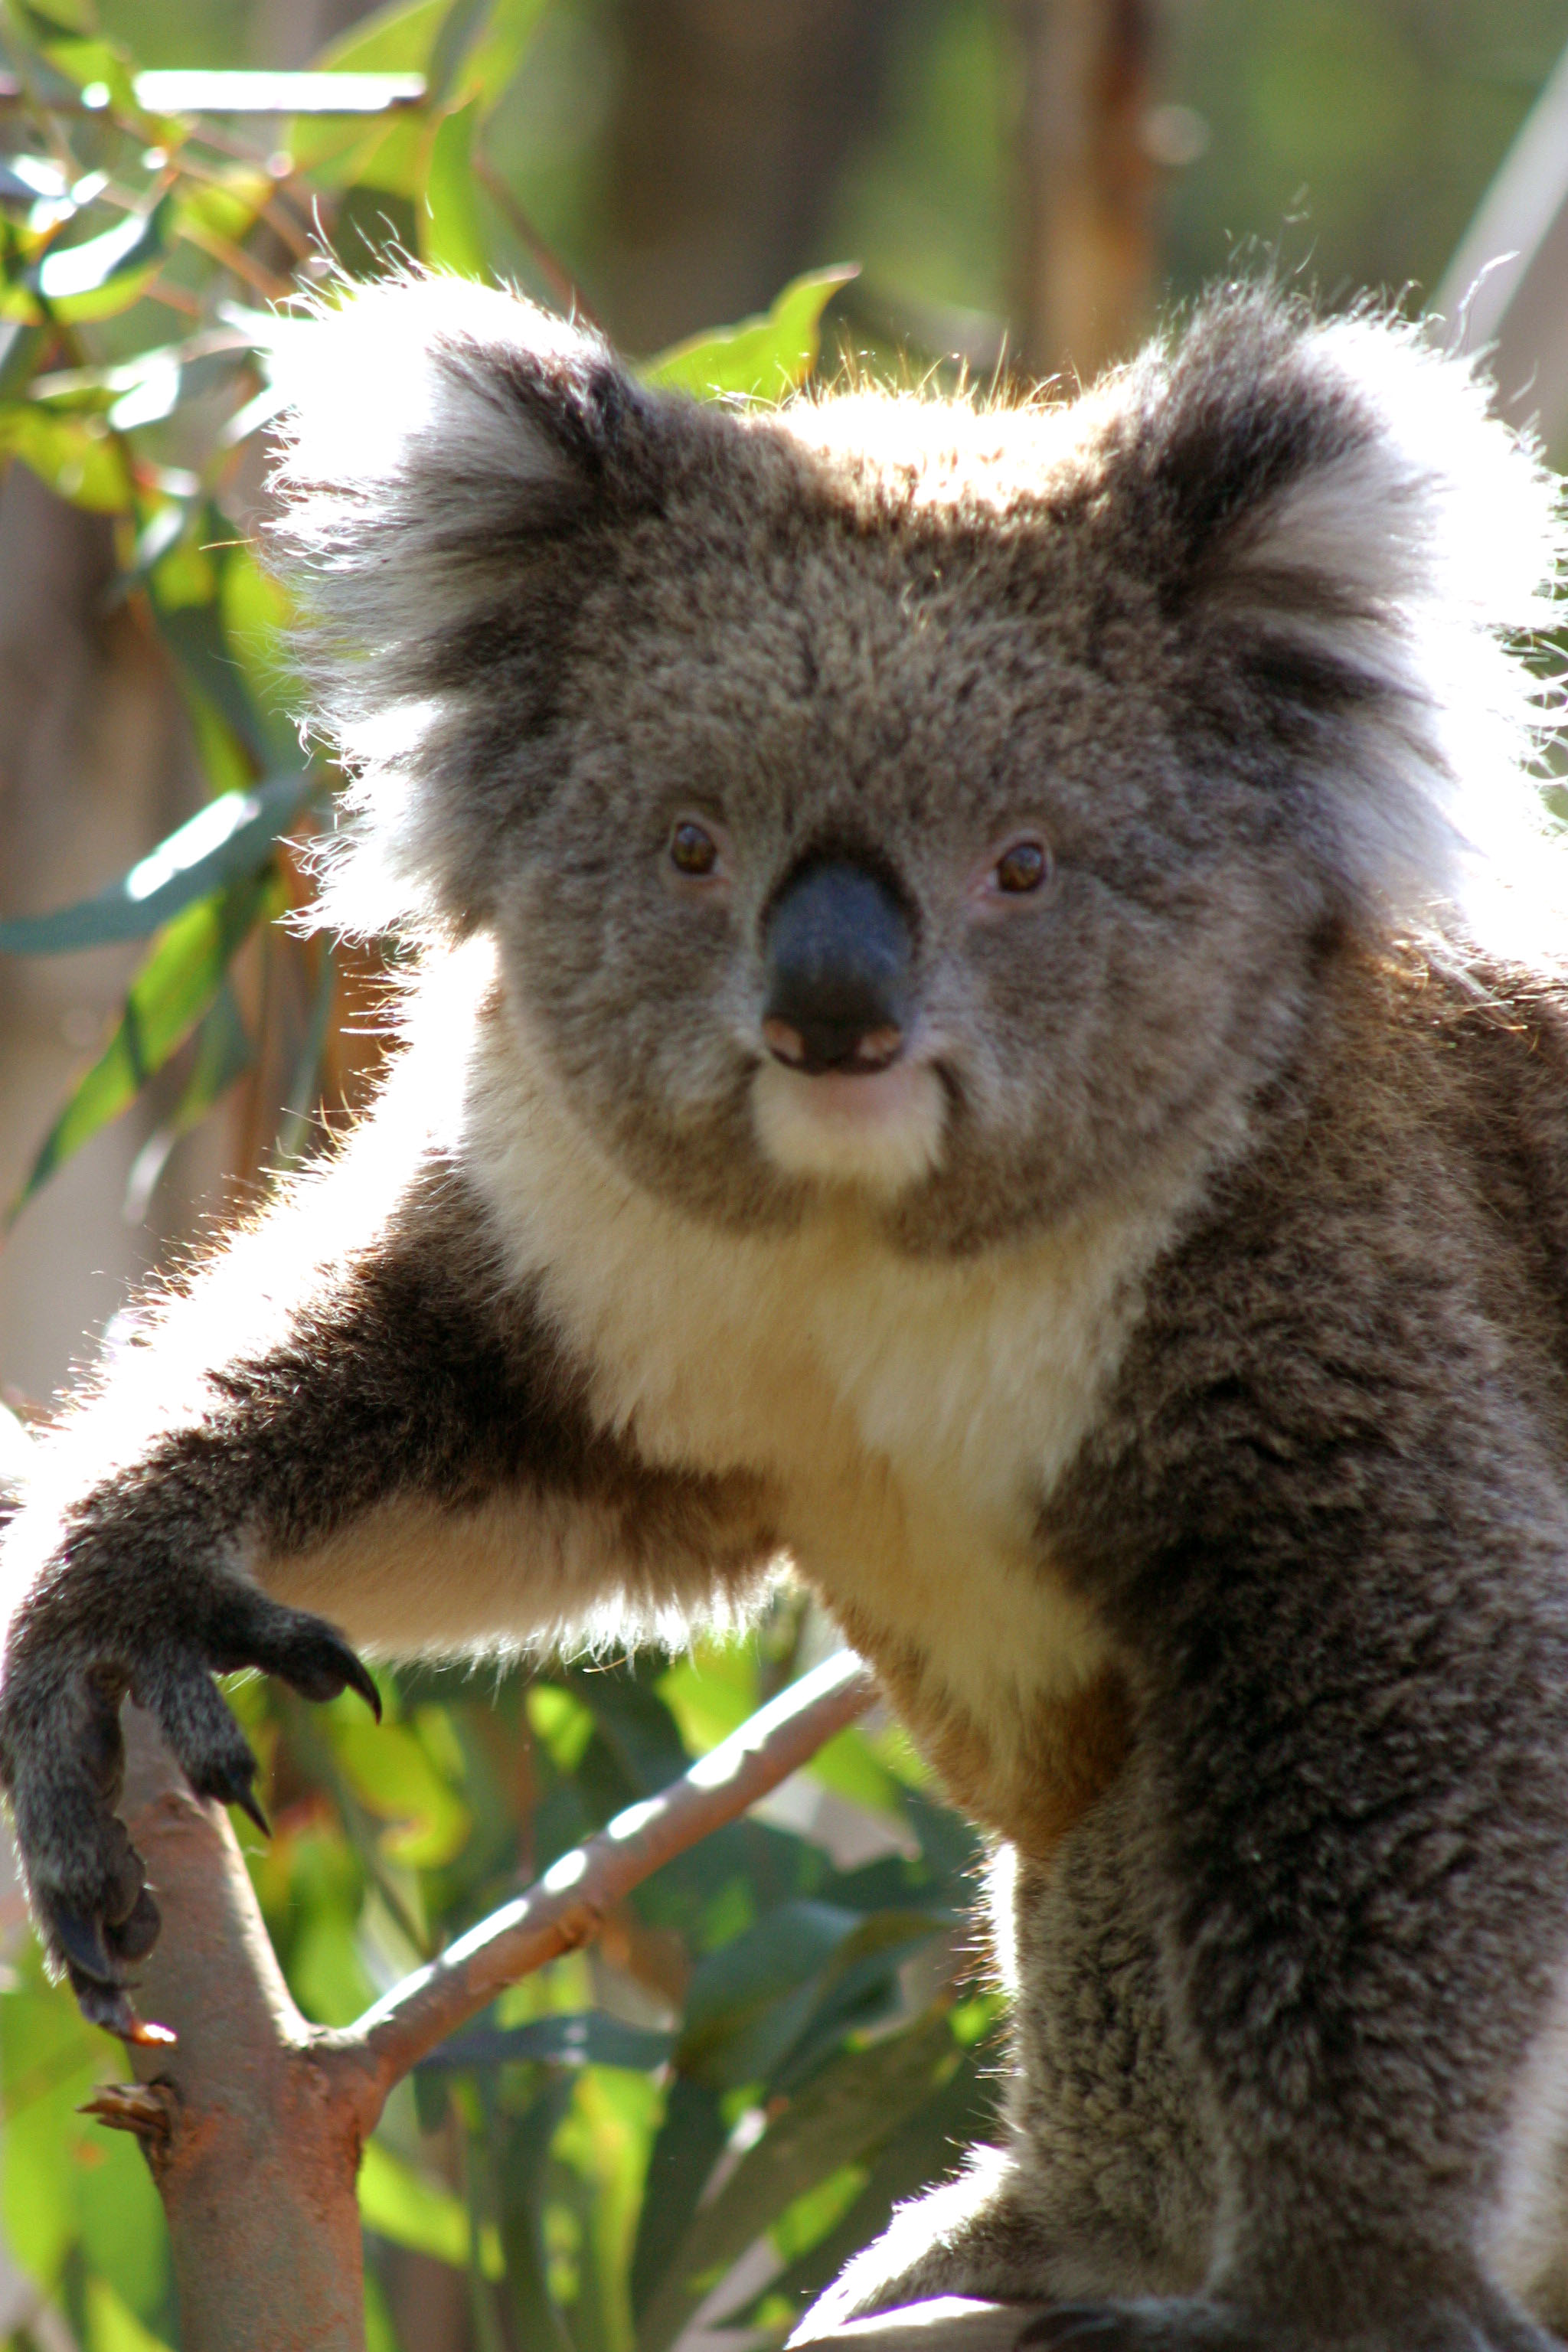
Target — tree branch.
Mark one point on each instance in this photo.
(568, 1905)
(253, 2123)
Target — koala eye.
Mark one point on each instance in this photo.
(692, 849)
(1021, 868)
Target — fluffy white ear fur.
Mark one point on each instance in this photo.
(421, 431)
(1408, 558)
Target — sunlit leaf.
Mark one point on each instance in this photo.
(760, 358)
(398, 2204)
(396, 40)
(229, 838)
(391, 1773)
(76, 456)
(113, 2327)
(223, 1052)
(47, 16)
(168, 996)
(98, 277)
(198, 636)
(239, 91)
(460, 25)
(100, 70)
(450, 236)
(227, 206)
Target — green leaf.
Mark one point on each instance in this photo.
(76, 456)
(100, 70)
(578, 2038)
(762, 358)
(450, 235)
(524, 2167)
(393, 1777)
(394, 39)
(690, 2143)
(460, 26)
(230, 91)
(845, 2113)
(99, 278)
(398, 2204)
(227, 206)
(112, 2327)
(222, 1054)
(750, 2000)
(228, 839)
(198, 636)
(496, 53)
(170, 993)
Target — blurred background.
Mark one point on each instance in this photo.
(673, 2141)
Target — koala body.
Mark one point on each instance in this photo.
(977, 1032)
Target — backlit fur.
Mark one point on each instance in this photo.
(1159, 1369)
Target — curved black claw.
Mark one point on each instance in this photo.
(109, 2006)
(229, 1783)
(323, 1664)
(306, 1652)
(81, 1940)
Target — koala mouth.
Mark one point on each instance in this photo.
(880, 1129)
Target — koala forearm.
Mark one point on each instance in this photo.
(406, 1450)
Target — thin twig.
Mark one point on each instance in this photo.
(568, 1905)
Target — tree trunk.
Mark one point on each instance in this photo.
(732, 131)
(1086, 183)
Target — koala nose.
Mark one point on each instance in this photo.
(838, 953)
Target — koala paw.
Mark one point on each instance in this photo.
(63, 1758)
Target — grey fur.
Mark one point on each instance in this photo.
(1161, 1369)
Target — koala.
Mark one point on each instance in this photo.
(985, 1021)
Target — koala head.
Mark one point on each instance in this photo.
(944, 805)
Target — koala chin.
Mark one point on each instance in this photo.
(988, 1031)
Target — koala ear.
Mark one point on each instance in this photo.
(444, 448)
(1345, 538)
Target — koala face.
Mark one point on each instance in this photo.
(861, 869)
(885, 798)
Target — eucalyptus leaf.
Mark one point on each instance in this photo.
(587, 2038)
(690, 2143)
(103, 275)
(522, 2169)
(400, 2204)
(77, 456)
(178, 981)
(229, 839)
(450, 235)
(762, 358)
(461, 25)
(198, 636)
(847, 2113)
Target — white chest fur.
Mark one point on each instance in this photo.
(912, 1417)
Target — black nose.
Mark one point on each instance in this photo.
(838, 953)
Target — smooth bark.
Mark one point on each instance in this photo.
(254, 2121)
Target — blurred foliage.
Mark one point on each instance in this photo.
(766, 2051)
